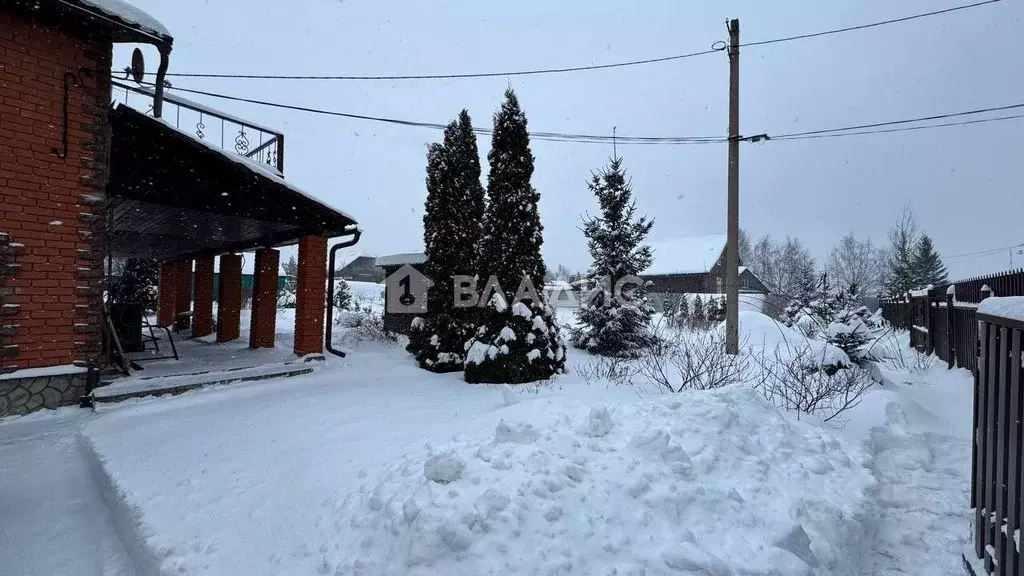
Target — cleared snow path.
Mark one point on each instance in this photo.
(52, 518)
(923, 465)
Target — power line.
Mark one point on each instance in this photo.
(902, 129)
(605, 139)
(551, 136)
(865, 26)
(982, 252)
(717, 47)
(896, 122)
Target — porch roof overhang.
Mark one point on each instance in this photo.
(172, 196)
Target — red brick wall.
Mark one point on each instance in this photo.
(311, 295)
(202, 320)
(229, 298)
(167, 293)
(58, 289)
(183, 296)
(263, 325)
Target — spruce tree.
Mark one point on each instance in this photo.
(698, 317)
(900, 263)
(451, 235)
(613, 324)
(927, 266)
(519, 340)
(683, 311)
(342, 295)
(137, 283)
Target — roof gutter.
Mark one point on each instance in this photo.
(161, 73)
(330, 291)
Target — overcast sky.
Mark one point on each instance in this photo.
(966, 184)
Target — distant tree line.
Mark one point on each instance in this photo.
(909, 261)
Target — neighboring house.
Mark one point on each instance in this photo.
(92, 169)
(361, 269)
(694, 265)
(398, 322)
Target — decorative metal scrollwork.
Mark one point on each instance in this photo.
(241, 141)
(200, 127)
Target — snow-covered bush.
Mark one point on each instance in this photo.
(436, 340)
(518, 343)
(608, 369)
(854, 329)
(691, 361)
(797, 380)
(363, 324)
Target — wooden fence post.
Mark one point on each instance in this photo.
(951, 326)
(931, 303)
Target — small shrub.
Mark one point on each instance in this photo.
(691, 361)
(796, 380)
(364, 325)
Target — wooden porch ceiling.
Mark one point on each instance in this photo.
(172, 196)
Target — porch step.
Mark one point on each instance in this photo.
(140, 387)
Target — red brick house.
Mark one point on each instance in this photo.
(82, 181)
(694, 265)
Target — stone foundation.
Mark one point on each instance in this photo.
(21, 395)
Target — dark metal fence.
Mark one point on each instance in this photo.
(996, 463)
(952, 336)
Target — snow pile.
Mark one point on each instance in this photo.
(759, 333)
(713, 483)
(1007, 307)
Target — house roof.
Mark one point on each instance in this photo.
(691, 255)
(401, 259)
(176, 196)
(128, 15)
(117, 20)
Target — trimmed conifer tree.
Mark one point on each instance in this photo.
(451, 236)
(518, 339)
(613, 324)
(927, 267)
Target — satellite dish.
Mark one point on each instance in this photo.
(138, 66)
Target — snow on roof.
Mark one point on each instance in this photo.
(130, 15)
(401, 259)
(1011, 307)
(693, 255)
(257, 167)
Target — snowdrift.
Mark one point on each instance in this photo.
(760, 333)
(696, 483)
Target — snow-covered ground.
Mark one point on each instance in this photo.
(371, 466)
(52, 518)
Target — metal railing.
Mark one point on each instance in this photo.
(215, 127)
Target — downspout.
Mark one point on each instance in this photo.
(161, 73)
(330, 291)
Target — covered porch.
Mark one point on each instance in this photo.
(194, 207)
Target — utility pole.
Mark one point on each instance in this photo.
(732, 244)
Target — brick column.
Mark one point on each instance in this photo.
(167, 294)
(202, 316)
(229, 297)
(311, 295)
(264, 299)
(183, 301)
